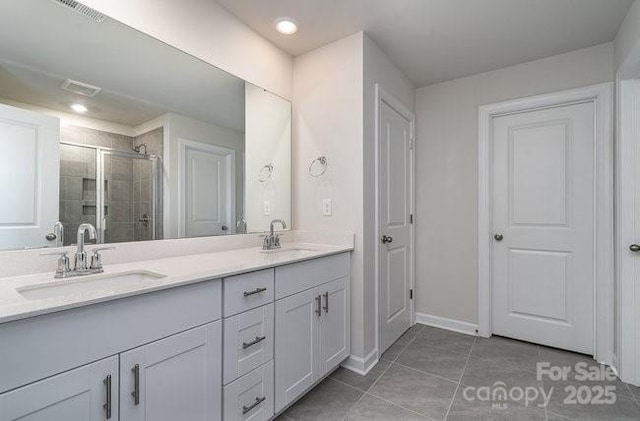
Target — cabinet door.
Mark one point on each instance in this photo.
(88, 393)
(296, 345)
(176, 378)
(335, 335)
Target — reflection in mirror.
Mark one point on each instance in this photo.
(102, 124)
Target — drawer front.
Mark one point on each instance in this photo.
(251, 396)
(247, 291)
(297, 277)
(248, 341)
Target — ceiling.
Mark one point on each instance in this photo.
(43, 43)
(437, 40)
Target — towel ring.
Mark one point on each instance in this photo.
(322, 161)
(265, 173)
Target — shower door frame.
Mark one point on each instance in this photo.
(101, 152)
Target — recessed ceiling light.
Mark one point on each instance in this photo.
(286, 26)
(79, 108)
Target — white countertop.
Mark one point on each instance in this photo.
(182, 270)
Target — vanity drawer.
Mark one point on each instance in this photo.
(251, 396)
(297, 277)
(247, 291)
(248, 341)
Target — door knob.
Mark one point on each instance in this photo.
(387, 239)
(51, 236)
(224, 228)
(634, 248)
(498, 237)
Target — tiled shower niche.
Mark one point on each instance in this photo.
(128, 184)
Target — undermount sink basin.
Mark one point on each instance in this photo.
(111, 282)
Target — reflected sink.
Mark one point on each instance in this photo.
(104, 283)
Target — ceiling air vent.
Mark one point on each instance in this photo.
(82, 9)
(80, 88)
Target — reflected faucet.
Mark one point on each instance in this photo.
(82, 263)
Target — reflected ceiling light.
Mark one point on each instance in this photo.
(286, 26)
(79, 108)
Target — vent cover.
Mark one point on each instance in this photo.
(82, 9)
(80, 88)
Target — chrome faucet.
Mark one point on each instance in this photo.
(272, 241)
(82, 266)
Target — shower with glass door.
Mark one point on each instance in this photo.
(114, 190)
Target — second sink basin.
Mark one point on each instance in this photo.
(81, 285)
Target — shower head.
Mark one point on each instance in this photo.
(139, 147)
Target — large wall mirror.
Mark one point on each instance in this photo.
(102, 124)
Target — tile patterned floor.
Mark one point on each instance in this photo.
(429, 374)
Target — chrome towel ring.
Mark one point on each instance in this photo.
(318, 166)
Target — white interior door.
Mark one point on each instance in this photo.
(394, 212)
(543, 219)
(208, 180)
(29, 177)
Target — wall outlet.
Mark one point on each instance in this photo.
(327, 207)
(266, 206)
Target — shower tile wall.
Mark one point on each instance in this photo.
(143, 187)
(78, 184)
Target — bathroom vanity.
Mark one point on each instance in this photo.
(238, 334)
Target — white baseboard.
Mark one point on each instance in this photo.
(448, 324)
(361, 365)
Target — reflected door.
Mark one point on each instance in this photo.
(209, 193)
(29, 171)
(543, 217)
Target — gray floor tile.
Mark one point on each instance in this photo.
(555, 417)
(371, 408)
(418, 392)
(432, 360)
(444, 339)
(361, 382)
(330, 400)
(625, 408)
(466, 409)
(635, 392)
(507, 351)
(394, 350)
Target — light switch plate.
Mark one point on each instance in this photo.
(327, 207)
(266, 207)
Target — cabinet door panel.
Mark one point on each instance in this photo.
(334, 324)
(251, 396)
(296, 346)
(179, 377)
(76, 395)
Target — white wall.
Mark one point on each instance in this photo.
(180, 127)
(206, 30)
(267, 141)
(447, 155)
(377, 69)
(328, 120)
(628, 39)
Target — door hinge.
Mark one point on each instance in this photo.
(411, 294)
(411, 219)
(410, 143)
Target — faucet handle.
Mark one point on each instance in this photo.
(63, 262)
(96, 258)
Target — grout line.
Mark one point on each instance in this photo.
(453, 398)
(427, 373)
(398, 406)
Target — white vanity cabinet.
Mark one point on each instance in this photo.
(312, 326)
(176, 378)
(88, 393)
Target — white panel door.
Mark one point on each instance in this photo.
(335, 326)
(297, 346)
(543, 218)
(209, 192)
(88, 393)
(177, 378)
(394, 207)
(29, 177)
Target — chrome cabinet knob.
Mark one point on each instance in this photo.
(498, 237)
(386, 239)
(634, 248)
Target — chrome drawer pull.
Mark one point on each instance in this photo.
(319, 309)
(136, 384)
(257, 340)
(107, 405)
(326, 301)
(258, 401)
(255, 291)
